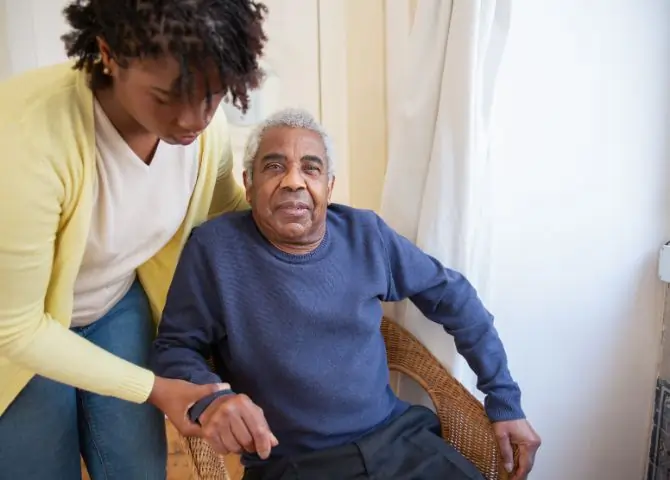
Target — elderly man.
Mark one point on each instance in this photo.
(286, 300)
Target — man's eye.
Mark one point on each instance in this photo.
(162, 101)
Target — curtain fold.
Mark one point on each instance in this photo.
(438, 178)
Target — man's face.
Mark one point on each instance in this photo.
(145, 89)
(290, 189)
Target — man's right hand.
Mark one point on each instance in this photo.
(175, 397)
(233, 423)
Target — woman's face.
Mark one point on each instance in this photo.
(148, 90)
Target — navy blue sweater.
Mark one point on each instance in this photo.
(300, 334)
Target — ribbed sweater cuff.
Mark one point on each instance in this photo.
(504, 406)
(137, 385)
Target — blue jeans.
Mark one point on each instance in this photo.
(49, 424)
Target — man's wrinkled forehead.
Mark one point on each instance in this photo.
(285, 142)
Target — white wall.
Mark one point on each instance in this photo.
(581, 198)
(30, 33)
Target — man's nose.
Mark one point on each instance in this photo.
(293, 179)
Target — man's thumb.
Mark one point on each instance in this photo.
(506, 452)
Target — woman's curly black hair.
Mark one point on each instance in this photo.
(197, 33)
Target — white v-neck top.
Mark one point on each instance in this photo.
(137, 209)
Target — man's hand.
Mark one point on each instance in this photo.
(520, 433)
(234, 423)
(175, 397)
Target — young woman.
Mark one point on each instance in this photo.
(107, 164)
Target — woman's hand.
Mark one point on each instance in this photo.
(175, 397)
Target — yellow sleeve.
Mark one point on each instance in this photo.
(32, 193)
(228, 195)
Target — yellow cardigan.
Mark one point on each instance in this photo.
(47, 167)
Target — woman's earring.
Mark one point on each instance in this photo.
(106, 71)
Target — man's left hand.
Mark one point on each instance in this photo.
(521, 434)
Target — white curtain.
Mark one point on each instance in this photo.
(438, 176)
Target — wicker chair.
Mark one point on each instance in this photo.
(464, 423)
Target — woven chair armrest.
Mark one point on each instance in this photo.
(464, 423)
(206, 464)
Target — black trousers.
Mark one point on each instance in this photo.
(408, 448)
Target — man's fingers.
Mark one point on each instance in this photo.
(521, 434)
(260, 431)
(231, 443)
(238, 424)
(242, 434)
(223, 434)
(525, 463)
(262, 440)
(217, 444)
(506, 452)
(273, 440)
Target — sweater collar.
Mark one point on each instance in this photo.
(315, 255)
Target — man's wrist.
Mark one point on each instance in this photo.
(201, 405)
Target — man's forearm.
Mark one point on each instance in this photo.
(454, 304)
(171, 361)
(446, 297)
(189, 326)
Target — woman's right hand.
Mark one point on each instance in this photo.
(176, 397)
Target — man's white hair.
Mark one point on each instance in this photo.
(292, 118)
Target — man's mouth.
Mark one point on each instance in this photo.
(294, 208)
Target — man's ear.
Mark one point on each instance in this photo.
(248, 186)
(331, 185)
